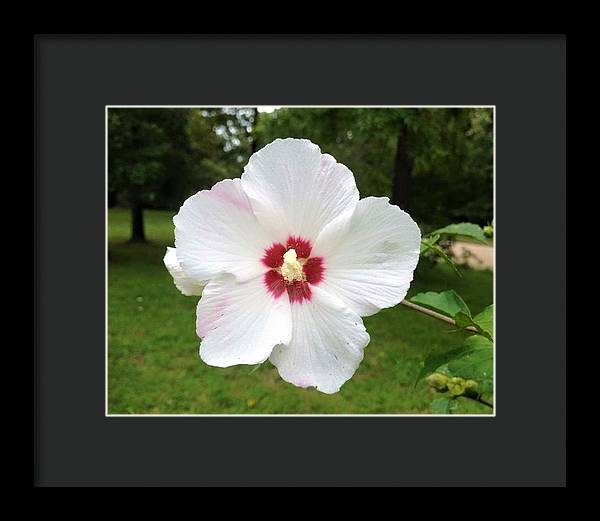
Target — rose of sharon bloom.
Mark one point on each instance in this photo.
(293, 260)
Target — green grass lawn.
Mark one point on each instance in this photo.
(153, 362)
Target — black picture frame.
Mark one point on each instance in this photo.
(77, 76)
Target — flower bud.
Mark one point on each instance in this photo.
(438, 381)
(456, 386)
(471, 385)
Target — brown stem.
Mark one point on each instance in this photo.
(437, 315)
(479, 399)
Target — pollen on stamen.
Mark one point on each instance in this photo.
(292, 269)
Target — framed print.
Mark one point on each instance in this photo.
(328, 266)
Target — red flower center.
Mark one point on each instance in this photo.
(312, 267)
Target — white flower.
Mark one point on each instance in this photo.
(187, 285)
(293, 259)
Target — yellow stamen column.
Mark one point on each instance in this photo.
(291, 268)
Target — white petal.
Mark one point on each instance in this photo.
(296, 190)
(187, 285)
(216, 232)
(240, 322)
(369, 255)
(327, 344)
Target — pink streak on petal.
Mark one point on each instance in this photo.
(302, 383)
(222, 192)
(204, 323)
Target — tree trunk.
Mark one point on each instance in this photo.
(254, 146)
(402, 172)
(137, 223)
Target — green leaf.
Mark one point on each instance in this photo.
(478, 342)
(487, 386)
(470, 230)
(463, 320)
(443, 405)
(432, 362)
(485, 320)
(450, 304)
(447, 303)
(477, 365)
(471, 344)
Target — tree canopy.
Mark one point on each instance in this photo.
(437, 163)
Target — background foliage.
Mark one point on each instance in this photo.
(434, 163)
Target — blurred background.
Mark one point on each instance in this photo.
(435, 163)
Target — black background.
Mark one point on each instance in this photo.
(76, 77)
